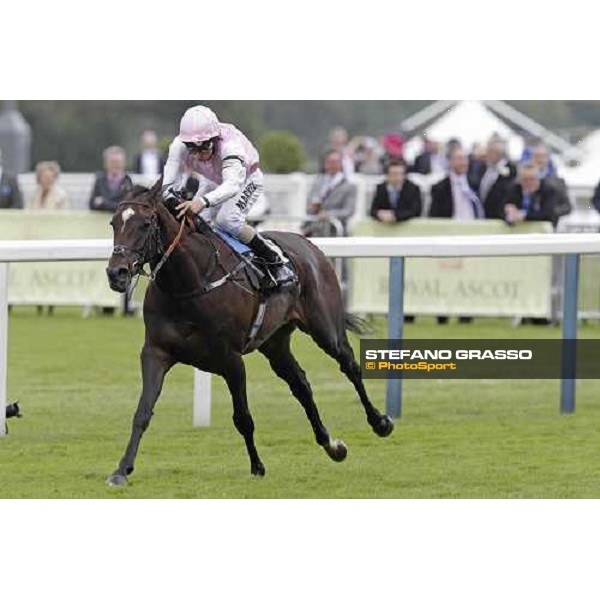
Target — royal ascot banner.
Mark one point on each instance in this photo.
(470, 286)
(58, 283)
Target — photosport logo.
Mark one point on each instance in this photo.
(480, 359)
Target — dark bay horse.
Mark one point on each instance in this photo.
(210, 330)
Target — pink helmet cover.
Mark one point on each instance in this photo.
(198, 124)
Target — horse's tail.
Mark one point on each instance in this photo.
(357, 324)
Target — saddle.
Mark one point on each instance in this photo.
(257, 270)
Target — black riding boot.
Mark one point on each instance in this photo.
(280, 270)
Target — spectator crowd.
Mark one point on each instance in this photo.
(480, 183)
(476, 183)
(111, 183)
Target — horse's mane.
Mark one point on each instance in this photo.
(136, 195)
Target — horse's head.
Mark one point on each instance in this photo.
(137, 237)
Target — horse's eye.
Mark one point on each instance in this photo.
(146, 223)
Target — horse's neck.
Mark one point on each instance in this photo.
(185, 271)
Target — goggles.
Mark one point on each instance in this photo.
(201, 147)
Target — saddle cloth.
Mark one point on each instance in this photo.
(235, 244)
(259, 274)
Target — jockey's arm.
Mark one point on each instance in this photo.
(234, 175)
(173, 167)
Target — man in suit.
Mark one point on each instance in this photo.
(396, 199)
(113, 183)
(332, 195)
(540, 157)
(431, 160)
(10, 194)
(149, 161)
(338, 140)
(534, 198)
(452, 197)
(492, 179)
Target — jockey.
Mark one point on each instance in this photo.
(224, 156)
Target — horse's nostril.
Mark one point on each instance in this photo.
(118, 273)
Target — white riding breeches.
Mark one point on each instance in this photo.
(231, 214)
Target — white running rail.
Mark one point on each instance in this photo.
(352, 247)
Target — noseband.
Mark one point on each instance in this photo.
(152, 244)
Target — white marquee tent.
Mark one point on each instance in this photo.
(471, 122)
(475, 121)
(587, 172)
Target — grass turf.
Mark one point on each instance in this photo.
(78, 383)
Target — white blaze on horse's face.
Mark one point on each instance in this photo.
(125, 216)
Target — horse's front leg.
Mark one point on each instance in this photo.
(155, 365)
(235, 376)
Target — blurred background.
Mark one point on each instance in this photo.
(332, 168)
(72, 132)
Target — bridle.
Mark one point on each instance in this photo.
(151, 246)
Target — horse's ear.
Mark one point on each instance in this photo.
(156, 188)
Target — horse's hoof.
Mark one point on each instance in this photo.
(384, 426)
(116, 479)
(258, 470)
(337, 450)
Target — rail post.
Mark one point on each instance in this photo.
(3, 344)
(569, 351)
(202, 399)
(395, 331)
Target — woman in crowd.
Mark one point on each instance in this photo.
(48, 194)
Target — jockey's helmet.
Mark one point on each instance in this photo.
(198, 125)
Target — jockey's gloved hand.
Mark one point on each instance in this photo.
(191, 206)
(172, 198)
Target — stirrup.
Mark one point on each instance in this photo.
(288, 278)
(282, 258)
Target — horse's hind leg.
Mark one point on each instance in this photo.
(278, 352)
(333, 340)
(155, 365)
(235, 376)
(382, 424)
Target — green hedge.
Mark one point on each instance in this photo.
(281, 152)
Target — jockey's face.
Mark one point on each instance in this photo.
(205, 155)
(203, 151)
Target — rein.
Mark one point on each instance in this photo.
(154, 237)
(165, 257)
